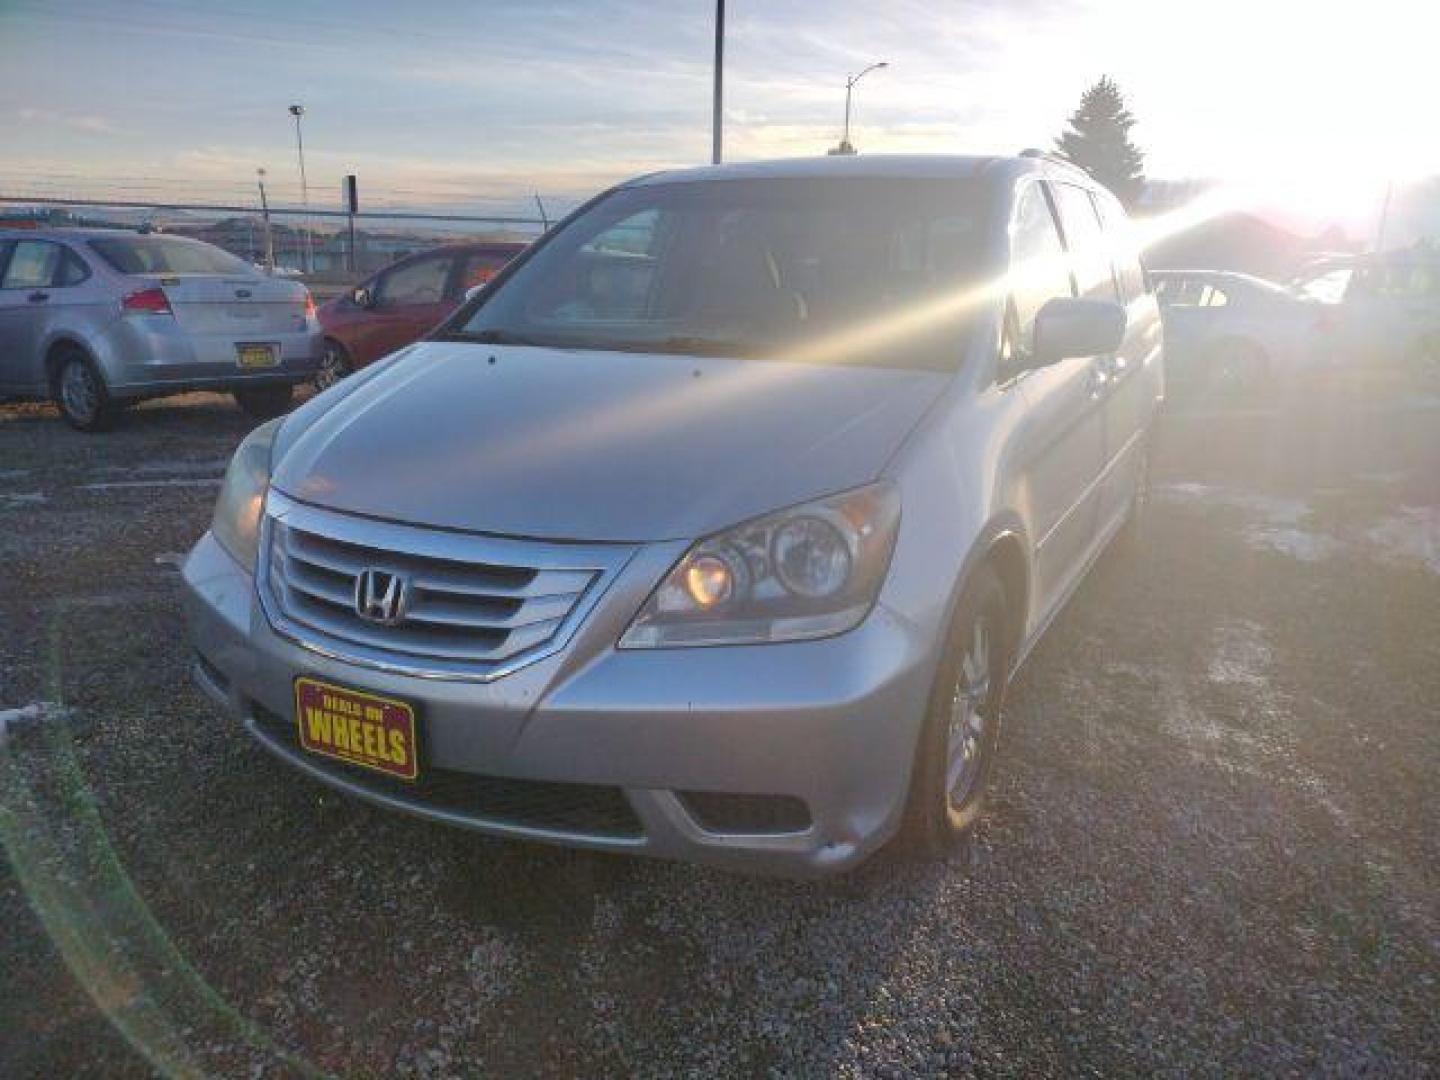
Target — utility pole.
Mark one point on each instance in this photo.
(716, 120)
(845, 146)
(297, 111)
(350, 189)
(265, 218)
(1384, 217)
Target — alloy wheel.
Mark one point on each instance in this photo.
(78, 391)
(969, 705)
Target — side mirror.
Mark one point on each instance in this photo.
(363, 297)
(1067, 327)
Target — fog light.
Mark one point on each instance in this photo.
(709, 580)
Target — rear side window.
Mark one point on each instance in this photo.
(33, 264)
(1089, 256)
(1191, 292)
(166, 255)
(1123, 245)
(420, 282)
(479, 267)
(72, 269)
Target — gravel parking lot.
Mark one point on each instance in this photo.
(1214, 845)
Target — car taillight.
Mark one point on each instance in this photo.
(309, 306)
(147, 302)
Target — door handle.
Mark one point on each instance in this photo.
(38, 297)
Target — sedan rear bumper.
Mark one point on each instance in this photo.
(791, 758)
(151, 354)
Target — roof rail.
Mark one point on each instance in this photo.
(1045, 155)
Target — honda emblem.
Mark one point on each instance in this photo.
(380, 597)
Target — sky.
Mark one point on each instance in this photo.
(1317, 104)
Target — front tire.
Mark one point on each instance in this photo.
(961, 733)
(334, 365)
(81, 395)
(265, 402)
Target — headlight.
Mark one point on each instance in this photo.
(242, 497)
(807, 572)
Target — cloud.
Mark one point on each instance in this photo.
(90, 123)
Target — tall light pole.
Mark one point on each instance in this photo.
(265, 217)
(297, 111)
(845, 147)
(715, 122)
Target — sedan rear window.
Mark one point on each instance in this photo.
(166, 255)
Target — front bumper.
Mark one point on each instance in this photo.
(830, 723)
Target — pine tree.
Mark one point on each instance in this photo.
(1098, 140)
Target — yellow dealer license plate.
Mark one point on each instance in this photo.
(376, 733)
(257, 356)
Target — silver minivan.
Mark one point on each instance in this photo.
(714, 528)
(98, 318)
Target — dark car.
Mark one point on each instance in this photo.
(401, 303)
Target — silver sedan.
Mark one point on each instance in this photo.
(98, 318)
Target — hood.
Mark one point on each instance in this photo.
(569, 445)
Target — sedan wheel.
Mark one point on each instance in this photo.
(81, 396)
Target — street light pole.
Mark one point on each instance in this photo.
(297, 111)
(265, 217)
(845, 147)
(715, 122)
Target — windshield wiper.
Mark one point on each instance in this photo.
(492, 336)
(703, 346)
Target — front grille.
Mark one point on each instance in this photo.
(474, 605)
(583, 809)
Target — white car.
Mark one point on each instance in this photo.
(1382, 311)
(1231, 330)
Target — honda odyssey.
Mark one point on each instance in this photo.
(714, 527)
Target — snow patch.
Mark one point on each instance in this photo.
(1278, 525)
(120, 485)
(1296, 543)
(1410, 536)
(1241, 655)
(23, 498)
(12, 720)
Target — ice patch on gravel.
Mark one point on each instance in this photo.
(1278, 526)
(1241, 656)
(1288, 540)
(1412, 535)
(122, 485)
(13, 720)
(22, 498)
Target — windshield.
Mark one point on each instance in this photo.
(752, 268)
(166, 255)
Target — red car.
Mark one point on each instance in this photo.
(401, 303)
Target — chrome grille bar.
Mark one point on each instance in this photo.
(477, 606)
